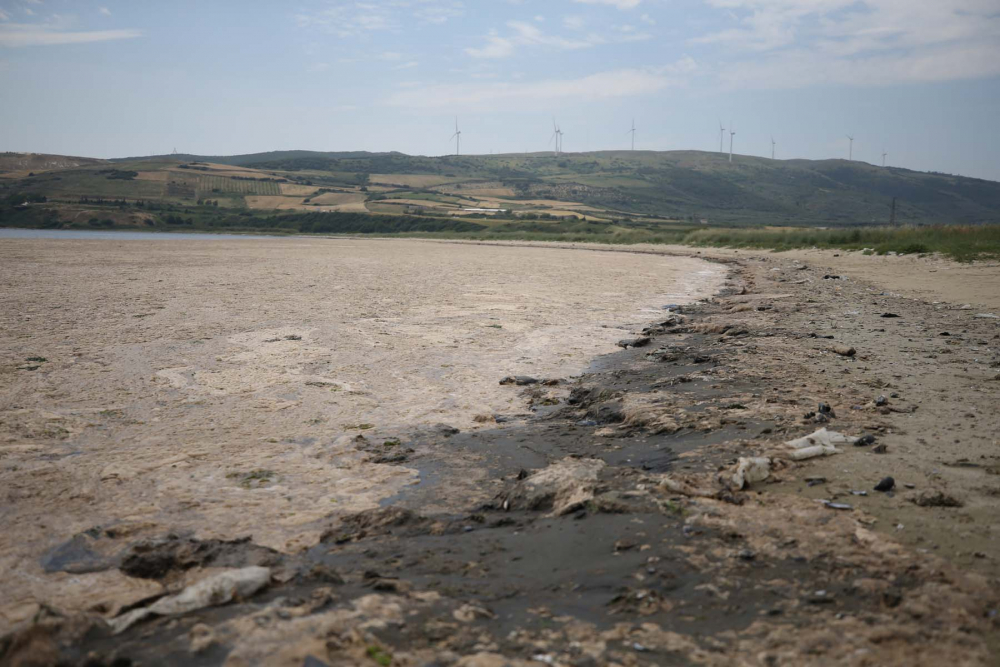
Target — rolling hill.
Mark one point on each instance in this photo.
(608, 187)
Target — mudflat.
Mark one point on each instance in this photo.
(796, 465)
(216, 387)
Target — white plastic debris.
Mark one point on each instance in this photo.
(215, 590)
(820, 443)
(988, 316)
(750, 470)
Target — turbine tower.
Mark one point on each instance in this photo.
(732, 133)
(632, 132)
(557, 135)
(458, 138)
(722, 134)
(850, 149)
(883, 157)
(772, 146)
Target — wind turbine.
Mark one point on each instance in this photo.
(883, 157)
(850, 149)
(557, 135)
(772, 146)
(632, 132)
(458, 138)
(722, 133)
(732, 133)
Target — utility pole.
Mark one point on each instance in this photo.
(892, 214)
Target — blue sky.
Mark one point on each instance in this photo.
(919, 79)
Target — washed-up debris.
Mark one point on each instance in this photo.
(215, 590)
(519, 380)
(880, 448)
(865, 441)
(830, 276)
(681, 487)
(815, 335)
(843, 350)
(560, 488)
(837, 506)
(859, 493)
(815, 481)
(888, 315)
(936, 499)
(885, 484)
(988, 316)
(750, 470)
(881, 400)
(819, 443)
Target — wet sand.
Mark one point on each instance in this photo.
(215, 387)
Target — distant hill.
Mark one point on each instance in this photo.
(255, 158)
(690, 186)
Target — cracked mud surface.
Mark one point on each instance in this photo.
(604, 529)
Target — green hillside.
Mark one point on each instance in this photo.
(634, 187)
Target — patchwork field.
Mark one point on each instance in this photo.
(243, 186)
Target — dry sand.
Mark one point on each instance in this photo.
(213, 386)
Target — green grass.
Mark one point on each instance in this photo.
(962, 243)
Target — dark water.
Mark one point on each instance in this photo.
(120, 236)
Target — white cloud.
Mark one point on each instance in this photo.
(14, 35)
(526, 34)
(352, 19)
(407, 65)
(574, 22)
(104, 10)
(620, 4)
(495, 47)
(799, 42)
(602, 85)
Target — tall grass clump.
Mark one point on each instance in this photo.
(963, 243)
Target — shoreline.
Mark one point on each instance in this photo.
(606, 532)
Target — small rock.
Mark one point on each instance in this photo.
(865, 441)
(519, 380)
(888, 315)
(642, 341)
(830, 276)
(885, 484)
(825, 409)
(880, 448)
(844, 350)
(881, 400)
(746, 554)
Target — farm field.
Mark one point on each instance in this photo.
(615, 196)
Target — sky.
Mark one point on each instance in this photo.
(917, 79)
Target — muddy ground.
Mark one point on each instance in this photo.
(607, 528)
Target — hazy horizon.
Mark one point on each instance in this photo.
(112, 79)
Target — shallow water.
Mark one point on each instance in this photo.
(83, 234)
